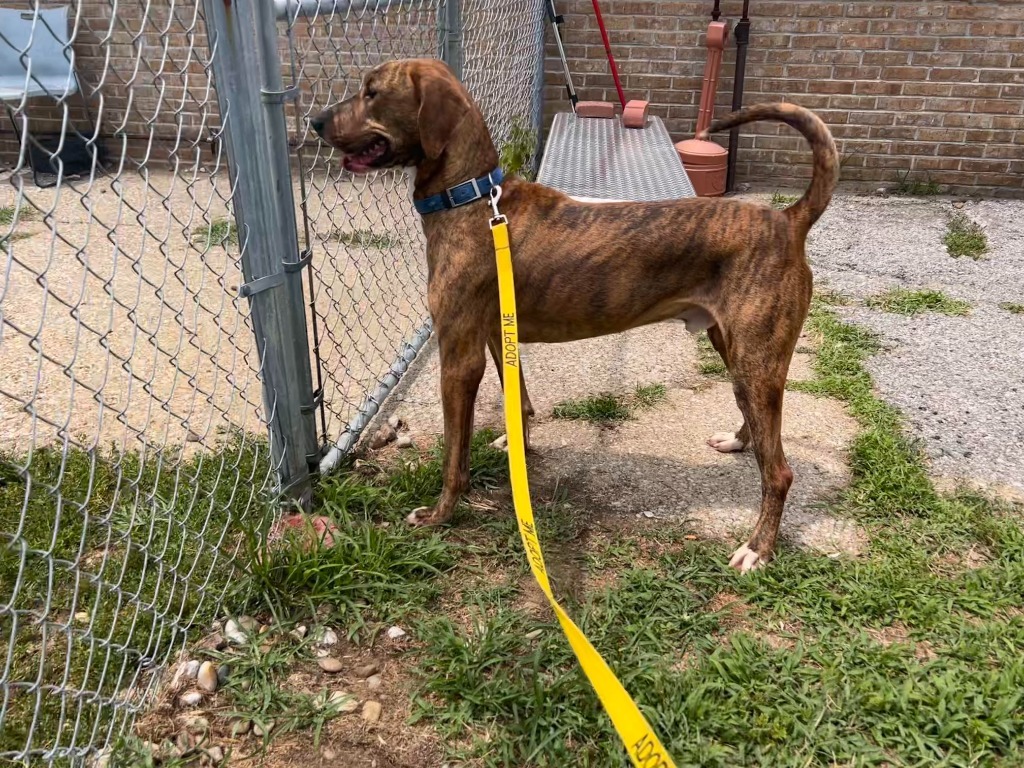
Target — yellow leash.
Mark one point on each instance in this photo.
(645, 750)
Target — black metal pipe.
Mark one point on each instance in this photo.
(742, 35)
(716, 11)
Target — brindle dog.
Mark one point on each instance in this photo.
(590, 269)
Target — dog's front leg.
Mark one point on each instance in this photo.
(462, 367)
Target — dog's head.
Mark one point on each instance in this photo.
(405, 112)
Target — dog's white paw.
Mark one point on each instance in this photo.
(501, 443)
(726, 442)
(419, 517)
(745, 560)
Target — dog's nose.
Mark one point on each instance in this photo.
(317, 124)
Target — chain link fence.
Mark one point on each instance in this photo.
(153, 404)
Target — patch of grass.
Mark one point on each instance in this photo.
(379, 567)
(602, 408)
(366, 238)
(220, 232)
(780, 201)
(902, 301)
(106, 560)
(965, 237)
(726, 687)
(1009, 306)
(709, 362)
(516, 154)
(7, 216)
(253, 686)
(907, 187)
(607, 408)
(649, 395)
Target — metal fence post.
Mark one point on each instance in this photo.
(451, 40)
(247, 72)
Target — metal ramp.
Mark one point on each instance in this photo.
(598, 160)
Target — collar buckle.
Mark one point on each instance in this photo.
(477, 194)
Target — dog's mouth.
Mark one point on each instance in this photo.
(371, 157)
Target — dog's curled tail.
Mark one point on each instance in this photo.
(808, 208)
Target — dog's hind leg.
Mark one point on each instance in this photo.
(726, 442)
(494, 345)
(759, 373)
(462, 367)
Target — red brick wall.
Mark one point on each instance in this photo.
(933, 89)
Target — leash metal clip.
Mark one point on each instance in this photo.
(498, 218)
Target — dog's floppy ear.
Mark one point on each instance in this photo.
(442, 107)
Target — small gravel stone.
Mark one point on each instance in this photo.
(330, 664)
(191, 699)
(396, 633)
(372, 711)
(187, 672)
(240, 728)
(248, 623)
(82, 617)
(501, 443)
(207, 677)
(373, 682)
(223, 673)
(234, 632)
(215, 642)
(329, 637)
(197, 724)
(367, 670)
(300, 631)
(328, 754)
(216, 755)
(404, 442)
(344, 701)
(394, 421)
(534, 634)
(262, 729)
(384, 436)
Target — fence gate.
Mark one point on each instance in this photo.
(198, 311)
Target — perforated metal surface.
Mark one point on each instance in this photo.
(596, 158)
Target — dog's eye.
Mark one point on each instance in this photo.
(371, 93)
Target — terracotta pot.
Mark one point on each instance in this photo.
(706, 164)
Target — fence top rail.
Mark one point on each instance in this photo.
(288, 10)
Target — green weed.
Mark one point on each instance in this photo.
(709, 362)
(780, 201)
(516, 154)
(1009, 306)
(907, 187)
(607, 408)
(366, 238)
(965, 237)
(220, 232)
(901, 301)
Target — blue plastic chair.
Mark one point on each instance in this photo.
(36, 59)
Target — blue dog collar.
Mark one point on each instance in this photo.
(460, 194)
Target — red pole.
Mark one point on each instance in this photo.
(608, 50)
